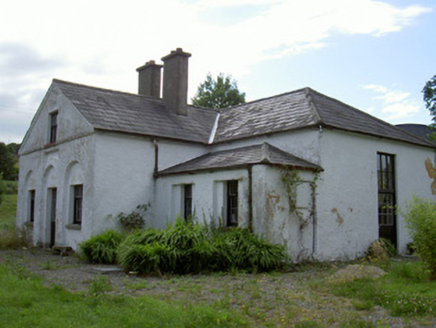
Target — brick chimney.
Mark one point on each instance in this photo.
(175, 81)
(149, 79)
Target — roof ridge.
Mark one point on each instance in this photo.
(263, 99)
(80, 85)
(312, 106)
(265, 158)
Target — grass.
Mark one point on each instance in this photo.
(8, 210)
(10, 237)
(26, 302)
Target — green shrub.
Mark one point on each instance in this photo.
(102, 249)
(134, 220)
(240, 249)
(421, 220)
(185, 247)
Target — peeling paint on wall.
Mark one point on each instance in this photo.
(432, 174)
(339, 219)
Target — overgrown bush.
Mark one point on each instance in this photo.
(102, 249)
(421, 221)
(381, 249)
(185, 247)
(134, 220)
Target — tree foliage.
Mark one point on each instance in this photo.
(220, 93)
(429, 93)
(9, 160)
(421, 220)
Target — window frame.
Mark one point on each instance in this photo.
(53, 127)
(386, 175)
(187, 202)
(77, 204)
(32, 196)
(232, 203)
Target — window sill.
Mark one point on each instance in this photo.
(74, 226)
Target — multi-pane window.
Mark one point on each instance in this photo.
(53, 127)
(187, 202)
(386, 188)
(77, 204)
(232, 203)
(31, 205)
(386, 196)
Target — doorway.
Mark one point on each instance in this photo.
(52, 194)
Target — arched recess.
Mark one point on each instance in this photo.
(50, 206)
(74, 182)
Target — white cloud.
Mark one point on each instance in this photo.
(102, 42)
(395, 104)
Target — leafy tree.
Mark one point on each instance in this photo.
(220, 93)
(9, 160)
(429, 92)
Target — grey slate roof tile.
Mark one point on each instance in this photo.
(129, 113)
(240, 157)
(301, 109)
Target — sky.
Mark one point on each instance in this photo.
(373, 55)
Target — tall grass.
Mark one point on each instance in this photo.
(10, 236)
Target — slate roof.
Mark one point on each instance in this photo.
(129, 113)
(302, 109)
(241, 157)
(421, 130)
(137, 114)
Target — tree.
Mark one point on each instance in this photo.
(220, 93)
(429, 92)
(9, 161)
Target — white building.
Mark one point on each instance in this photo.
(300, 168)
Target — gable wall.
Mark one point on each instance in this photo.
(71, 123)
(347, 201)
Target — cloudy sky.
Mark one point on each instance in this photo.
(373, 55)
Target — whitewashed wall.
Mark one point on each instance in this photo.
(123, 177)
(207, 195)
(68, 162)
(347, 198)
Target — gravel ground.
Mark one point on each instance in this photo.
(76, 275)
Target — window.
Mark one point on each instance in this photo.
(53, 127)
(77, 204)
(187, 202)
(386, 196)
(232, 203)
(31, 205)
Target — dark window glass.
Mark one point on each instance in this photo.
(232, 203)
(187, 202)
(31, 205)
(77, 207)
(53, 127)
(386, 197)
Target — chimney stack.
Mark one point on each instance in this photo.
(149, 79)
(175, 81)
